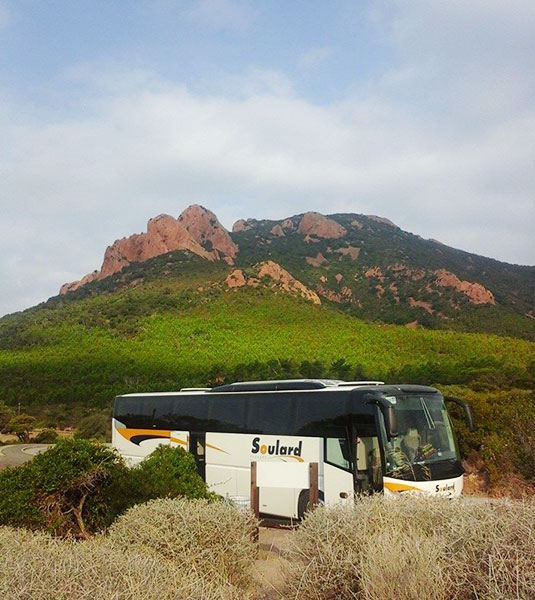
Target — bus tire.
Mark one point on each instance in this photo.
(303, 504)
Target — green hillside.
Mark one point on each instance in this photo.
(405, 266)
(172, 322)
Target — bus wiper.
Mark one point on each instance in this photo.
(429, 418)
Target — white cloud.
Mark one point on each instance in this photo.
(451, 162)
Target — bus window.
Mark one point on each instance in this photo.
(336, 452)
(369, 468)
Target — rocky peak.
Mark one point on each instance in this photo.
(196, 230)
(312, 223)
(243, 225)
(205, 228)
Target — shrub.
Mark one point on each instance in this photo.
(79, 487)
(47, 436)
(410, 548)
(39, 567)
(6, 414)
(167, 472)
(21, 426)
(210, 538)
(96, 426)
(64, 490)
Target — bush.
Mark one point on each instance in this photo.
(168, 472)
(21, 426)
(96, 427)
(63, 490)
(6, 414)
(79, 487)
(212, 538)
(412, 548)
(39, 567)
(47, 436)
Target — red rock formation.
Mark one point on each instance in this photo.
(195, 230)
(281, 278)
(243, 225)
(235, 279)
(277, 231)
(350, 251)
(313, 223)
(286, 281)
(375, 272)
(476, 293)
(421, 304)
(381, 220)
(316, 262)
(288, 224)
(204, 227)
(343, 297)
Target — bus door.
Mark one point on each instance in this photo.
(338, 478)
(197, 446)
(369, 471)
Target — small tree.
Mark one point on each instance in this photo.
(78, 487)
(6, 414)
(21, 426)
(96, 426)
(63, 490)
(168, 472)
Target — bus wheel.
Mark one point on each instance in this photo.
(303, 504)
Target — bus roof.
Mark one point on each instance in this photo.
(295, 385)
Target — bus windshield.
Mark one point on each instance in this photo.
(425, 437)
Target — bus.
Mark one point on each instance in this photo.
(366, 437)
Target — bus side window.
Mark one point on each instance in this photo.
(369, 470)
(336, 452)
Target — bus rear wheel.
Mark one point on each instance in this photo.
(303, 504)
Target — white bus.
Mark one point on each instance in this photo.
(365, 436)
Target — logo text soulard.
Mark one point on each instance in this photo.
(276, 449)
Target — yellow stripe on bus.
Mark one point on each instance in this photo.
(400, 487)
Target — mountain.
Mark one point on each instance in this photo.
(361, 264)
(188, 303)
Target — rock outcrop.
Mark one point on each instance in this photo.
(313, 223)
(350, 251)
(476, 293)
(316, 261)
(196, 230)
(381, 220)
(344, 296)
(280, 278)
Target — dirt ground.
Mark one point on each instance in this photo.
(268, 565)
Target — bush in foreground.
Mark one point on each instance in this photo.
(38, 567)
(415, 548)
(79, 487)
(210, 538)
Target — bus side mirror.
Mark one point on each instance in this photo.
(469, 417)
(388, 412)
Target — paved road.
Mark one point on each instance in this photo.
(16, 454)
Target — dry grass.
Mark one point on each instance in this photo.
(415, 548)
(34, 566)
(210, 539)
(164, 550)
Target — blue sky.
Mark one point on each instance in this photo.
(112, 112)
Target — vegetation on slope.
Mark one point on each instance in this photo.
(66, 360)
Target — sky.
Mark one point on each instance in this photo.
(112, 112)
